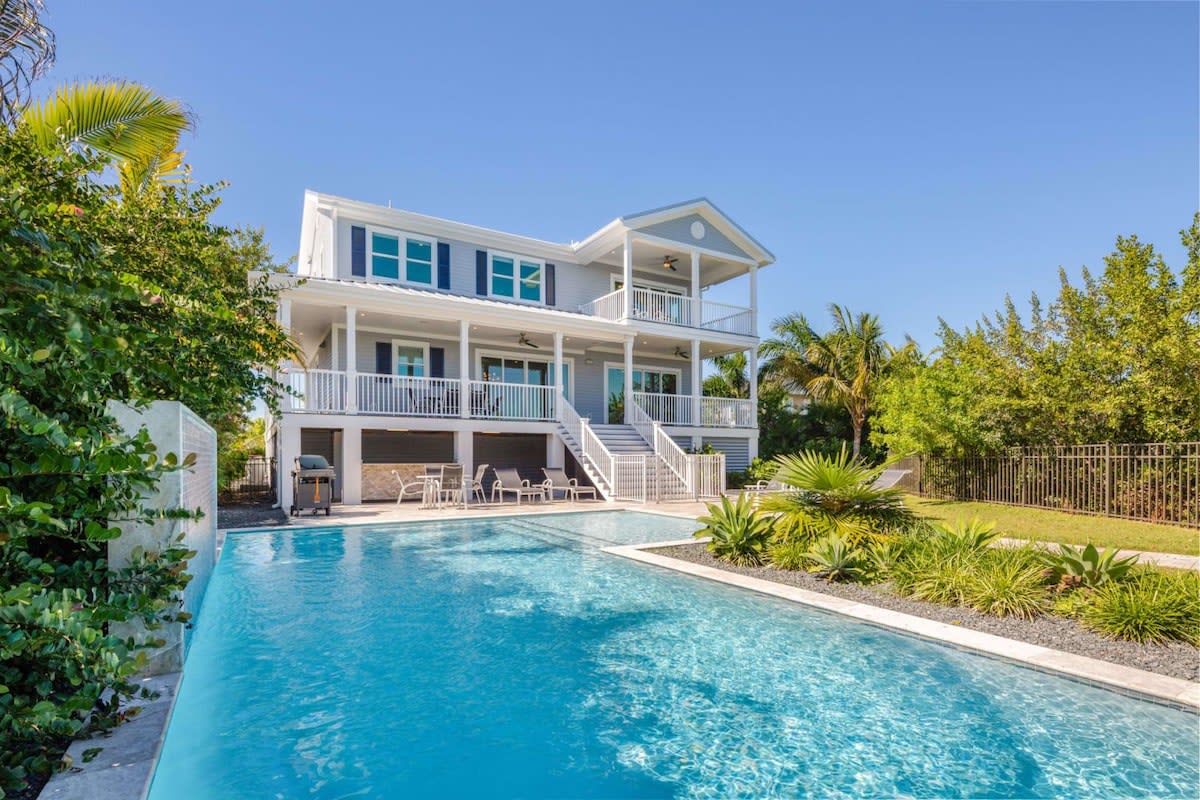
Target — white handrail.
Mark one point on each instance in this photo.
(666, 450)
(318, 390)
(499, 400)
(726, 412)
(408, 396)
(610, 306)
(669, 409)
(589, 443)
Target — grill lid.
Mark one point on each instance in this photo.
(311, 462)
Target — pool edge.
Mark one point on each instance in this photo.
(1127, 680)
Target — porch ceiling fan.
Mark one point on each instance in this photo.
(681, 353)
(669, 263)
(523, 339)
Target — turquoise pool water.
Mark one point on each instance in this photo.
(512, 658)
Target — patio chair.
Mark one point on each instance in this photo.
(889, 478)
(557, 481)
(450, 489)
(508, 481)
(477, 490)
(413, 488)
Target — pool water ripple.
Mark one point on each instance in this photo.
(512, 658)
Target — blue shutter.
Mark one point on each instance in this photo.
(549, 287)
(383, 358)
(443, 265)
(481, 276)
(437, 362)
(358, 251)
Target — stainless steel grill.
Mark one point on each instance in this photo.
(312, 485)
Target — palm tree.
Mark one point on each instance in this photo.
(139, 129)
(26, 52)
(841, 367)
(730, 378)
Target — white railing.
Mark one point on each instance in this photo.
(673, 309)
(495, 400)
(726, 412)
(610, 306)
(669, 409)
(401, 395)
(318, 390)
(673, 477)
(593, 450)
(629, 476)
(709, 475)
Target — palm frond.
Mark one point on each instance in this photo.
(26, 52)
(124, 120)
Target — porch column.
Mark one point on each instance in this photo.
(697, 382)
(284, 315)
(754, 299)
(352, 465)
(697, 317)
(351, 360)
(628, 376)
(464, 453)
(464, 369)
(557, 381)
(627, 275)
(752, 374)
(289, 448)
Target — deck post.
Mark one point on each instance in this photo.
(284, 315)
(464, 369)
(628, 378)
(752, 375)
(627, 276)
(697, 315)
(697, 384)
(557, 382)
(351, 360)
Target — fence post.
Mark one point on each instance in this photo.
(1108, 478)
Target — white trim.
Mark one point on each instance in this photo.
(516, 277)
(638, 283)
(649, 238)
(517, 355)
(401, 237)
(423, 346)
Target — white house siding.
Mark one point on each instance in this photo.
(736, 450)
(679, 230)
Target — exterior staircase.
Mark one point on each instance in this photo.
(621, 441)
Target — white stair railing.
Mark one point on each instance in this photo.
(613, 471)
(671, 455)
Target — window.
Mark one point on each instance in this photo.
(515, 277)
(416, 265)
(408, 359)
(655, 381)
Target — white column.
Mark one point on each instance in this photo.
(627, 275)
(289, 449)
(752, 370)
(352, 465)
(464, 453)
(351, 360)
(554, 451)
(697, 382)
(628, 376)
(754, 299)
(464, 369)
(557, 382)
(284, 315)
(697, 317)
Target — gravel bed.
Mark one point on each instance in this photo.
(1178, 659)
(250, 516)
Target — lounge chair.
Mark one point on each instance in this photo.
(450, 489)
(557, 481)
(889, 478)
(477, 491)
(508, 481)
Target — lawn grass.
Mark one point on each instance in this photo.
(1057, 526)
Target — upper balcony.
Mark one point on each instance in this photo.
(651, 305)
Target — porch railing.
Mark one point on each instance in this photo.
(669, 409)
(673, 309)
(726, 412)
(318, 390)
(715, 412)
(400, 395)
(494, 400)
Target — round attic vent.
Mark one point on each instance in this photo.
(698, 230)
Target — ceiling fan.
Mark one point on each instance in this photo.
(523, 339)
(669, 263)
(681, 353)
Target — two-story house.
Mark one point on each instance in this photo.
(428, 340)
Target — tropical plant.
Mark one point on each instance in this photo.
(834, 559)
(934, 572)
(739, 533)
(835, 494)
(26, 52)
(730, 378)
(1006, 583)
(843, 366)
(125, 121)
(883, 555)
(1087, 566)
(967, 536)
(1154, 607)
(790, 555)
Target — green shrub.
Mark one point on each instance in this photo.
(1086, 566)
(834, 559)
(933, 570)
(739, 533)
(967, 536)
(789, 555)
(1006, 583)
(1154, 607)
(1070, 604)
(882, 556)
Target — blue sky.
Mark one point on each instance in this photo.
(909, 159)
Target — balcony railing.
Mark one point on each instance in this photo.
(678, 409)
(672, 309)
(324, 391)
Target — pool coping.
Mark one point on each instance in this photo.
(1126, 680)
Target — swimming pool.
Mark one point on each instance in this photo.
(509, 657)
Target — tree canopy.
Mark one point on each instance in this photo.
(1115, 358)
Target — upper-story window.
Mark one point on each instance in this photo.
(401, 256)
(515, 276)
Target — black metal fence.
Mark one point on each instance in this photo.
(1157, 482)
(257, 482)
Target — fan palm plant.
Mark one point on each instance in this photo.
(834, 495)
(128, 122)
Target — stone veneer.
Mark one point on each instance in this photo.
(378, 482)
